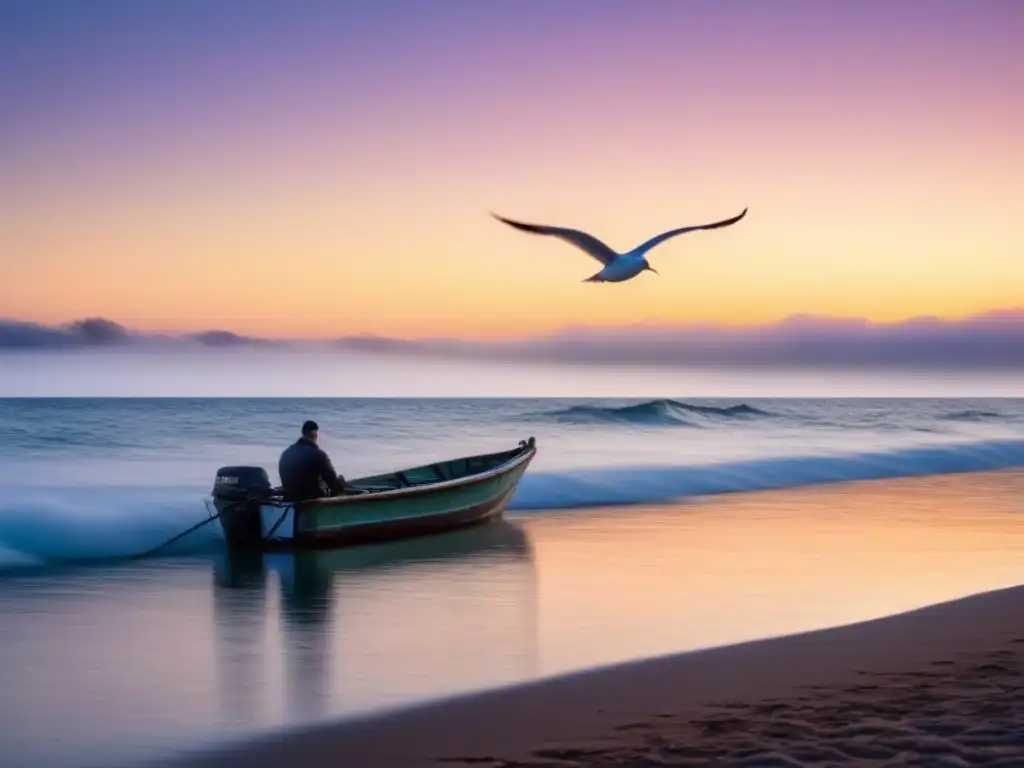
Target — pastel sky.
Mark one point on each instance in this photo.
(326, 168)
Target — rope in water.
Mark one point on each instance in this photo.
(200, 524)
(173, 539)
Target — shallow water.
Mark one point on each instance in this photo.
(140, 661)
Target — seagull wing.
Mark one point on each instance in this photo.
(581, 240)
(644, 247)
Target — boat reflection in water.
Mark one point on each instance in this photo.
(362, 628)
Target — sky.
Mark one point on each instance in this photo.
(326, 169)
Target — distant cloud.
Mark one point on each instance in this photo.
(91, 331)
(98, 330)
(19, 335)
(386, 345)
(374, 343)
(993, 339)
(101, 332)
(229, 339)
(989, 340)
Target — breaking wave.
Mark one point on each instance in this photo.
(78, 525)
(653, 413)
(609, 486)
(972, 415)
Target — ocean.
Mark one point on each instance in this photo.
(645, 525)
(110, 477)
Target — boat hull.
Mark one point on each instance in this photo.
(315, 529)
(382, 515)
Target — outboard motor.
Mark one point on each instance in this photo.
(237, 495)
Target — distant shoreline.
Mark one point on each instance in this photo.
(940, 680)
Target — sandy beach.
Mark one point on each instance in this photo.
(940, 685)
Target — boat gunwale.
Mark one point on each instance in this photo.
(527, 448)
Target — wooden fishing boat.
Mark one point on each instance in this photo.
(431, 498)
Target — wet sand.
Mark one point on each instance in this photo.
(938, 686)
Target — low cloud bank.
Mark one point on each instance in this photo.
(101, 332)
(994, 339)
(989, 340)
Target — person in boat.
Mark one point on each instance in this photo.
(306, 469)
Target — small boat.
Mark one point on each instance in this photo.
(431, 498)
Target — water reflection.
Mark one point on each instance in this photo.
(148, 657)
(383, 620)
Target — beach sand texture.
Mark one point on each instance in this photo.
(938, 686)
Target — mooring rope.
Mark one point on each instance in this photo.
(276, 525)
(207, 521)
(173, 539)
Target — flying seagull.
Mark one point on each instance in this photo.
(617, 266)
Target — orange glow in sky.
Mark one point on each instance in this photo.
(284, 193)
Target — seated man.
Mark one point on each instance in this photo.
(306, 470)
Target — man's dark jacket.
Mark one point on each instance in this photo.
(302, 466)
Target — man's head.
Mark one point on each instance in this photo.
(310, 431)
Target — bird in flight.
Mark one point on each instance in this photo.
(617, 266)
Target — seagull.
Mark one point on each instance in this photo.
(617, 266)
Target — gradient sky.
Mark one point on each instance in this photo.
(327, 168)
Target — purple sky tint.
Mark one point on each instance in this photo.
(175, 66)
(152, 154)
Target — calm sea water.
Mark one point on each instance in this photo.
(626, 538)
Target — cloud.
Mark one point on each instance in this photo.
(373, 343)
(101, 332)
(989, 340)
(994, 339)
(98, 330)
(229, 339)
(384, 345)
(20, 335)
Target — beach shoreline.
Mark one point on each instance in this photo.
(939, 684)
